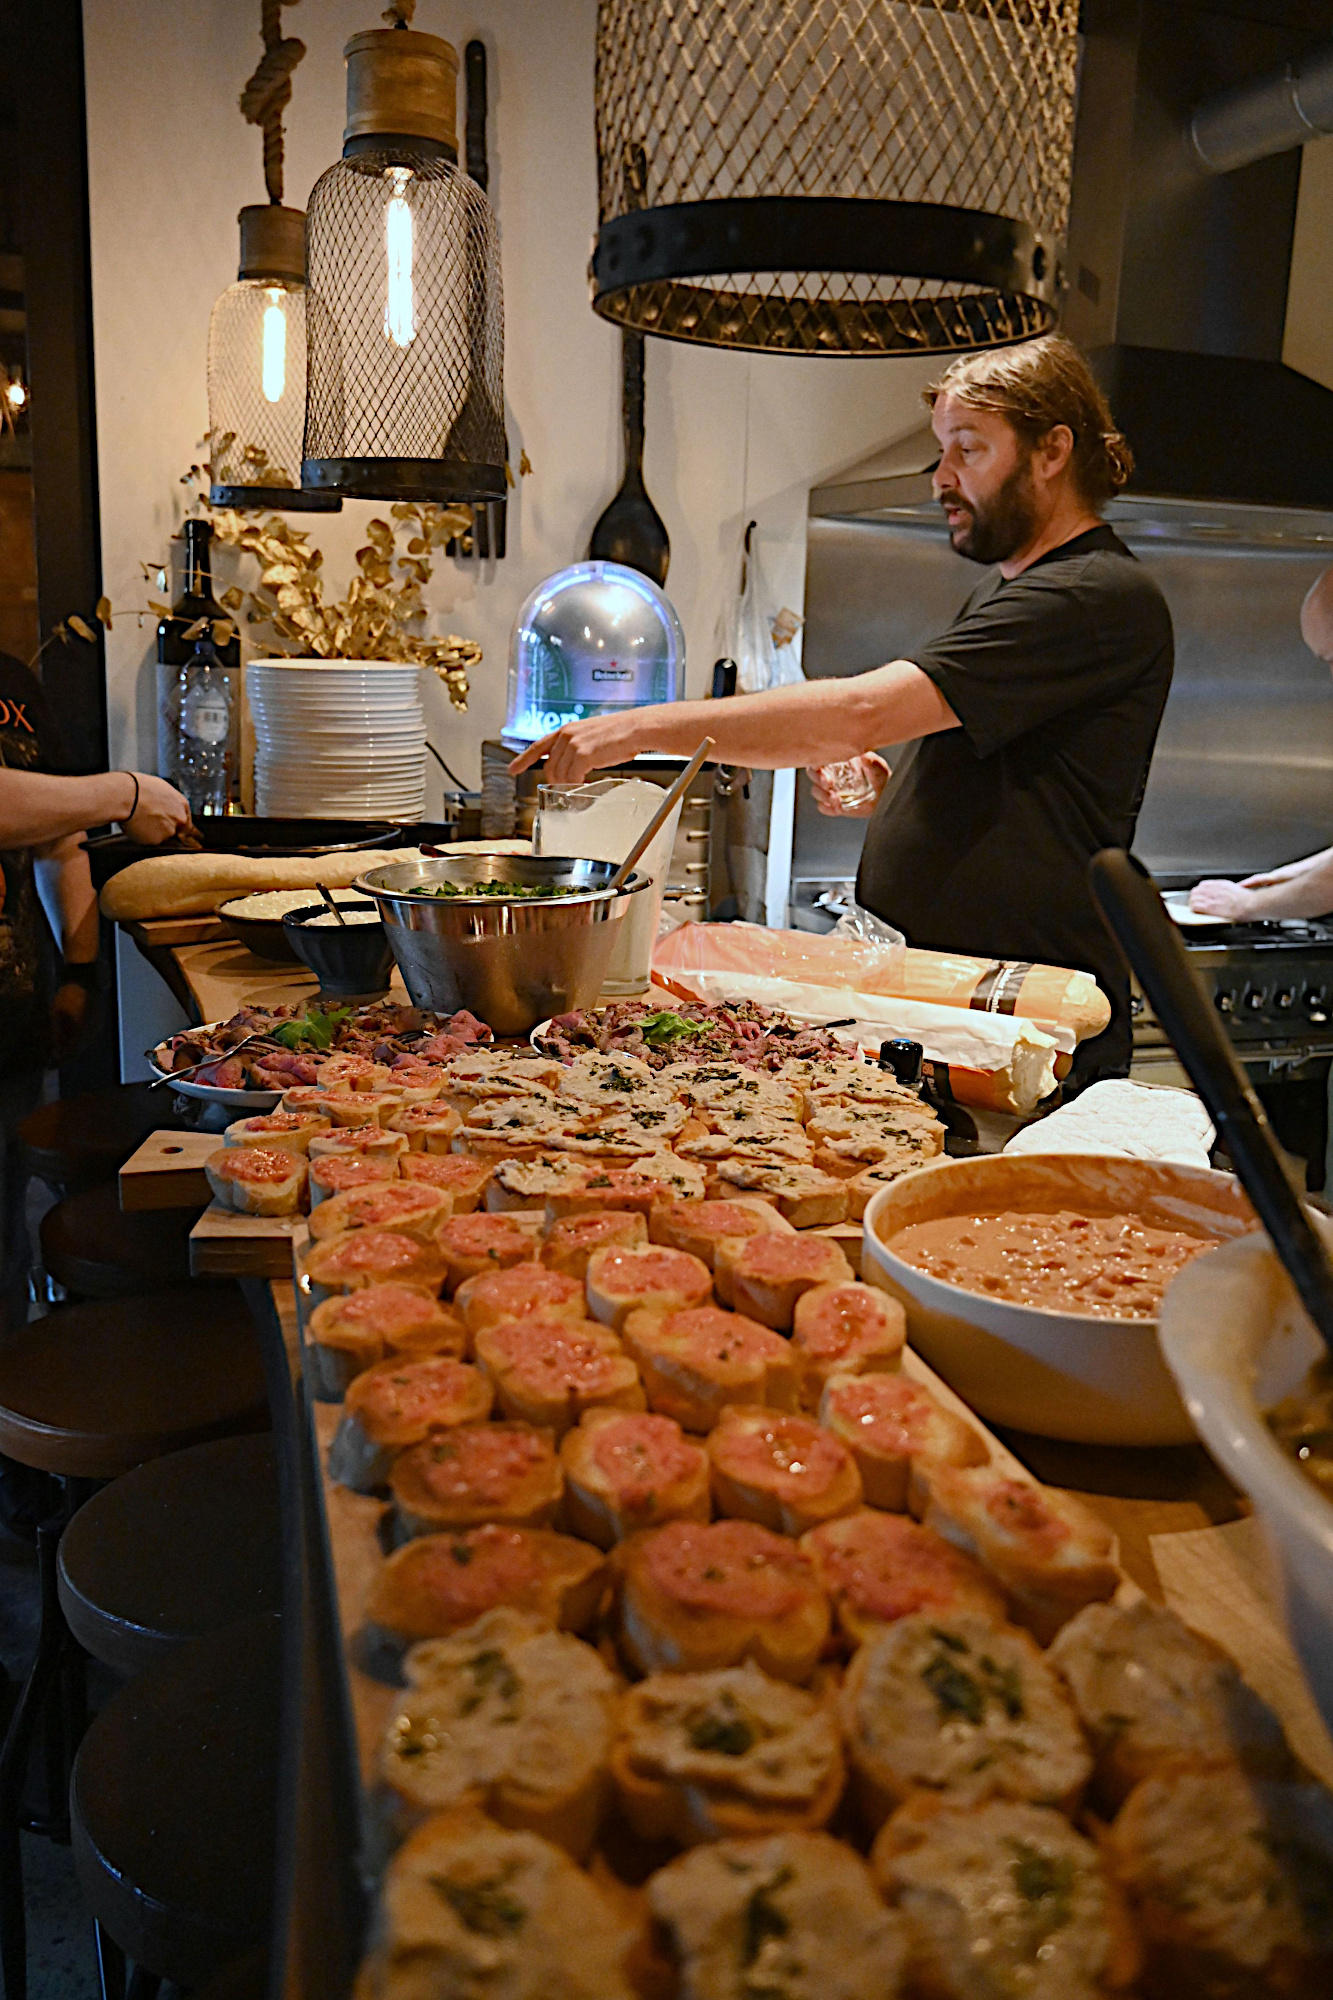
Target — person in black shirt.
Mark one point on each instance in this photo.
(1031, 720)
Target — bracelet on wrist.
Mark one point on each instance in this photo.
(133, 777)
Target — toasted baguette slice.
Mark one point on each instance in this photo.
(765, 1276)
(396, 1404)
(349, 1072)
(896, 1431)
(498, 1296)
(625, 1470)
(474, 1473)
(1156, 1697)
(877, 1568)
(472, 1908)
(495, 1151)
(600, 1080)
(358, 1257)
(409, 1207)
(803, 1196)
(696, 1364)
(471, 1244)
(428, 1128)
(349, 1334)
(644, 1277)
(1009, 1886)
(509, 1716)
(415, 1082)
(871, 1146)
(549, 1371)
(290, 1131)
(1047, 1550)
(640, 1187)
(863, 1187)
(463, 1183)
(790, 1900)
(257, 1180)
(699, 1226)
(570, 1242)
(780, 1470)
(708, 1756)
(845, 1330)
(437, 1583)
(370, 1142)
(959, 1704)
(1231, 1884)
(695, 1597)
(528, 1184)
(338, 1173)
(363, 1107)
(308, 1097)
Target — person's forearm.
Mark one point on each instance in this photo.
(36, 808)
(65, 884)
(1308, 894)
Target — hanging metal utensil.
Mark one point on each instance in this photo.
(631, 531)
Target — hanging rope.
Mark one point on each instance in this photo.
(269, 91)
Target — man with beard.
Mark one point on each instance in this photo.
(1030, 722)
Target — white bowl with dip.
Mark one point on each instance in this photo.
(1237, 1341)
(1078, 1376)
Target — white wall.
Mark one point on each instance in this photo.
(171, 161)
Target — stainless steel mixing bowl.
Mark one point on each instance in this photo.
(511, 962)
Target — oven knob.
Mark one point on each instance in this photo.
(1254, 999)
(1316, 1003)
(1225, 1003)
(1284, 1000)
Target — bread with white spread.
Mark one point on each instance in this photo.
(711, 1756)
(960, 1705)
(510, 1716)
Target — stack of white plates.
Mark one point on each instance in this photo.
(337, 738)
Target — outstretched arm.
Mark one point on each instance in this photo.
(815, 722)
(1300, 889)
(36, 809)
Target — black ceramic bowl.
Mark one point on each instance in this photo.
(345, 958)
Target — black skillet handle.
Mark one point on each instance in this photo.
(1136, 917)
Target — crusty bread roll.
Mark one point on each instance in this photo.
(738, 1915)
(1156, 1697)
(1008, 1886)
(644, 1277)
(626, 1470)
(398, 1403)
(779, 1469)
(695, 1597)
(470, 1907)
(695, 1364)
(549, 1371)
(187, 885)
(475, 1473)
(509, 1716)
(960, 1704)
(1051, 1554)
(437, 1583)
(257, 1180)
(765, 1276)
(708, 1756)
(845, 1330)
(877, 1568)
(897, 1433)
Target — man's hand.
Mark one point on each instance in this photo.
(1230, 900)
(872, 770)
(160, 813)
(578, 748)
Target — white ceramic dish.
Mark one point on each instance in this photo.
(209, 1093)
(1178, 909)
(1061, 1375)
(1237, 1341)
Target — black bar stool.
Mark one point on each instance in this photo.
(96, 1251)
(173, 1806)
(87, 1395)
(78, 1141)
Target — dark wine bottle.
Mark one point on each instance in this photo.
(196, 601)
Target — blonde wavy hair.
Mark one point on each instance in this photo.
(1036, 386)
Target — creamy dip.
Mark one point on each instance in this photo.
(1112, 1266)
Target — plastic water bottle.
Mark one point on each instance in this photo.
(208, 730)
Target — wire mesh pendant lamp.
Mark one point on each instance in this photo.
(850, 177)
(257, 333)
(406, 332)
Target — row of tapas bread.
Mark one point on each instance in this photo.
(816, 1141)
(684, 1558)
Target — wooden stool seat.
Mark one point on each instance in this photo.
(93, 1391)
(173, 1550)
(173, 1804)
(79, 1140)
(90, 1247)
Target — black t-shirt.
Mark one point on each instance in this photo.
(981, 839)
(29, 741)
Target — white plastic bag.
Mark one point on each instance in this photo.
(746, 630)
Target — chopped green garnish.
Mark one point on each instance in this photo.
(461, 1553)
(484, 1907)
(491, 1674)
(1003, 1684)
(955, 1692)
(1040, 1879)
(763, 1920)
(509, 892)
(318, 1027)
(729, 1735)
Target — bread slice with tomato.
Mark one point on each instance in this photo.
(436, 1584)
(696, 1364)
(782, 1470)
(693, 1597)
(397, 1404)
(257, 1180)
(626, 1470)
(460, 1478)
(548, 1371)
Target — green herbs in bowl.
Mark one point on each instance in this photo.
(507, 892)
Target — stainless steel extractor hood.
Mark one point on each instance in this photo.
(1179, 261)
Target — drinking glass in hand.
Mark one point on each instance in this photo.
(850, 787)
